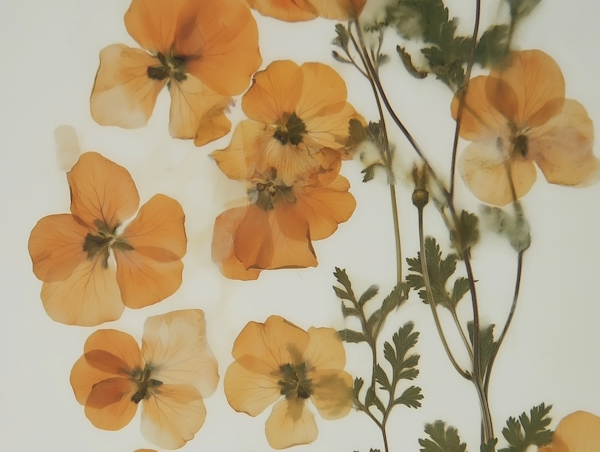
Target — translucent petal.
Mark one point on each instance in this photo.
(290, 424)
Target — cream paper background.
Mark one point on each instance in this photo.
(48, 62)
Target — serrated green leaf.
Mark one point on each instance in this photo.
(352, 336)
(492, 46)
(521, 8)
(382, 378)
(347, 312)
(341, 39)
(341, 293)
(336, 56)
(490, 446)
(461, 287)
(356, 132)
(390, 354)
(358, 384)
(382, 59)
(528, 430)
(368, 294)
(467, 234)
(343, 279)
(442, 439)
(372, 399)
(411, 397)
(393, 301)
(369, 172)
(408, 64)
(487, 345)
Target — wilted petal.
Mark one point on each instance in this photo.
(56, 247)
(223, 254)
(248, 391)
(331, 393)
(224, 37)
(562, 148)
(323, 91)
(483, 168)
(175, 348)
(109, 406)
(325, 349)
(287, 10)
(90, 296)
(290, 424)
(197, 112)
(172, 415)
(123, 94)
(577, 432)
(275, 93)
(101, 190)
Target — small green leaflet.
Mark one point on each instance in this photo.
(467, 234)
(528, 430)
(492, 46)
(442, 439)
(487, 346)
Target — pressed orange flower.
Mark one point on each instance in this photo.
(172, 373)
(276, 228)
(204, 51)
(295, 111)
(279, 362)
(518, 116)
(299, 10)
(577, 432)
(71, 252)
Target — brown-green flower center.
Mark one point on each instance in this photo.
(270, 192)
(171, 66)
(102, 240)
(294, 382)
(144, 382)
(520, 145)
(292, 131)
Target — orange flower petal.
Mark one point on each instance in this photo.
(325, 349)
(89, 297)
(332, 393)
(109, 406)
(275, 343)
(274, 93)
(577, 432)
(172, 415)
(287, 10)
(118, 344)
(538, 83)
(123, 94)
(248, 391)
(339, 9)
(324, 208)
(223, 254)
(144, 281)
(332, 130)
(197, 112)
(107, 362)
(483, 169)
(227, 47)
(101, 190)
(323, 91)
(562, 148)
(185, 358)
(56, 247)
(152, 23)
(290, 424)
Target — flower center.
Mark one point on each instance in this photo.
(520, 144)
(171, 66)
(144, 382)
(102, 241)
(294, 382)
(269, 192)
(292, 131)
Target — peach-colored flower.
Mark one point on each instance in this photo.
(170, 376)
(204, 51)
(295, 111)
(577, 432)
(276, 228)
(299, 10)
(279, 362)
(71, 252)
(518, 117)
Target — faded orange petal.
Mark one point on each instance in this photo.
(224, 36)
(287, 10)
(323, 91)
(107, 362)
(109, 391)
(197, 112)
(562, 148)
(144, 281)
(274, 343)
(109, 406)
(172, 415)
(324, 208)
(56, 247)
(325, 349)
(332, 130)
(118, 344)
(274, 93)
(84, 377)
(248, 391)
(223, 254)
(123, 94)
(339, 9)
(293, 162)
(577, 432)
(175, 348)
(290, 424)
(331, 393)
(101, 190)
(89, 297)
(158, 231)
(483, 169)
(538, 83)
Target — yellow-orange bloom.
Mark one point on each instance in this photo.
(71, 252)
(295, 112)
(518, 117)
(276, 228)
(577, 432)
(299, 10)
(279, 362)
(204, 51)
(172, 373)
